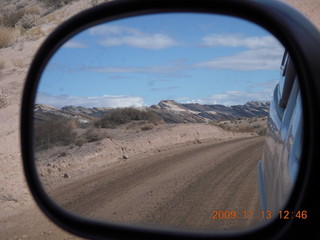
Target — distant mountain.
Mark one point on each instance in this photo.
(169, 110)
(81, 114)
(174, 112)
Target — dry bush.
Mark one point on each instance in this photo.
(10, 18)
(262, 131)
(56, 3)
(27, 21)
(54, 131)
(91, 135)
(147, 127)
(3, 101)
(2, 64)
(94, 3)
(120, 116)
(250, 125)
(8, 36)
(25, 17)
(232, 126)
(243, 129)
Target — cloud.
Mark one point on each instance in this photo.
(260, 59)
(237, 40)
(147, 69)
(264, 53)
(122, 35)
(151, 41)
(101, 101)
(187, 100)
(263, 92)
(267, 84)
(74, 44)
(230, 98)
(104, 30)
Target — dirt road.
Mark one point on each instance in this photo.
(178, 188)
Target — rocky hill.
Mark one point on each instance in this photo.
(173, 112)
(168, 110)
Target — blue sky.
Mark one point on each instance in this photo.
(139, 61)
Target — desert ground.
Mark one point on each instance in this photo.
(180, 187)
(20, 218)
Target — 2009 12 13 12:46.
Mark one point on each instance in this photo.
(285, 214)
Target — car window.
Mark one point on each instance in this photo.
(283, 69)
(290, 107)
(290, 75)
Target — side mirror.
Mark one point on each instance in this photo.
(115, 91)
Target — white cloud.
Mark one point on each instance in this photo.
(105, 30)
(122, 35)
(264, 53)
(74, 44)
(260, 59)
(199, 101)
(235, 97)
(101, 101)
(150, 69)
(237, 40)
(149, 41)
(230, 98)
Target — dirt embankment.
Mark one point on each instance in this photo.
(62, 165)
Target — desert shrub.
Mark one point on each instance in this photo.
(120, 116)
(3, 97)
(2, 64)
(147, 127)
(93, 134)
(7, 36)
(244, 129)
(90, 135)
(54, 131)
(27, 21)
(80, 141)
(94, 3)
(3, 101)
(10, 18)
(56, 3)
(262, 132)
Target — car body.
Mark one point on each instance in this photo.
(280, 162)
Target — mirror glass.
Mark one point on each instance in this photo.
(162, 120)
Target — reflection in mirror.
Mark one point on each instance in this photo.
(161, 120)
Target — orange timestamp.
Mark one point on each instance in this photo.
(259, 215)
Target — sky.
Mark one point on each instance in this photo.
(139, 61)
